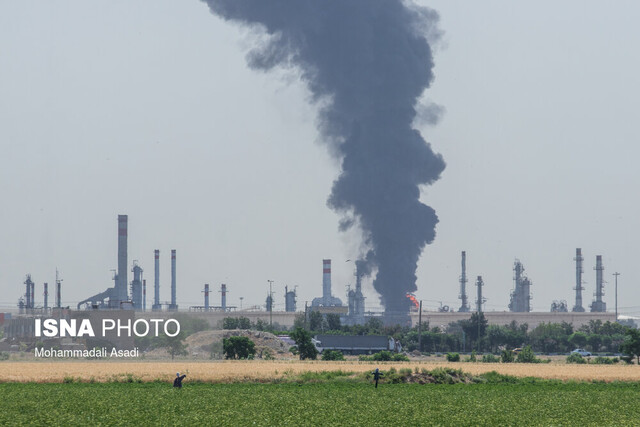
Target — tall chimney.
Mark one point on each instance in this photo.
(206, 297)
(326, 282)
(33, 294)
(598, 305)
(122, 258)
(156, 287)
(464, 307)
(223, 292)
(144, 295)
(480, 300)
(58, 291)
(46, 296)
(173, 306)
(578, 259)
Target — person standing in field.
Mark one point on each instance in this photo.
(178, 381)
(376, 376)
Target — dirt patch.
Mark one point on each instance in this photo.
(201, 344)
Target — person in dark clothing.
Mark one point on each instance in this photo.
(376, 376)
(178, 381)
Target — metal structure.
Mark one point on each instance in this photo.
(156, 282)
(223, 297)
(480, 300)
(327, 300)
(118, 294)
(29, 293)
(616, 274)
(578, 308)
(464, 307)
(144, 295)
(46, 296)
(521, 295)
(121, 278)
(356, 301)
(173, 306)
(598, 305)
(58, 290)
(206, 297)
(136, 287)
(289, 300)
(559, 306)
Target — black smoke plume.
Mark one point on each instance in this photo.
(366, 62)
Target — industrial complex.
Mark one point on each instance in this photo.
(132, 297)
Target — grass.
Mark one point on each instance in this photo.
(332, 403)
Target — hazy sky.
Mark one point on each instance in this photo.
(148, 108)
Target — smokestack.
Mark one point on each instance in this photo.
(578, 308)
(480, 300)
(598, 305)
(46, 296)
(463, 285)
(173, 306)
(371, 61)
(121, 292)
(206, 297)
(144, 295)
(58, 291)
(223, 293)
(33, 294)
(326, 282)
(156, 287)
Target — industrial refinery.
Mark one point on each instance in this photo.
(132, 295)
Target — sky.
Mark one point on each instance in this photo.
(149, 109)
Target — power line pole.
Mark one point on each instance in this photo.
(420, 328)
(616, 274)
(270, 305)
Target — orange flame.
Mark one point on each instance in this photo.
(414, 301)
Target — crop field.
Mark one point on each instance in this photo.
(334, 403)
(238, 371)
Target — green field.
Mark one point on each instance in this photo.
(333, 403)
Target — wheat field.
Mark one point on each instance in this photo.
(230, 371)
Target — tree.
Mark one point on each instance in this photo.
(333, 321)
(306, 349)
(315, 321)
(631, 344)
(174, 345)
(578, 339)
(475, 327)
(238, 348)
(229, 323)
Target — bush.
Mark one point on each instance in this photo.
(576, 358)
(605, 360)
(238, 348)
(399, 357)
(453, 357)
(490, 358)
(332, 355)
(506, 356)
(4, 355)
(382, 356)
(527, 356)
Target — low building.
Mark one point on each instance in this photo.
(357, 344)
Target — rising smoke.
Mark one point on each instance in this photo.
(366, 63)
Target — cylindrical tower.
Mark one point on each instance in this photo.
(223, 296)
(464, 307)
(173, 305)
(46, 296)
(144, 295)
(326, 282)
(156, 284)
(479, 302)
(578, 288)
(599, 305)
(122, 258)
(206, 296)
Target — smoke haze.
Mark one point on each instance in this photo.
(366, 62)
